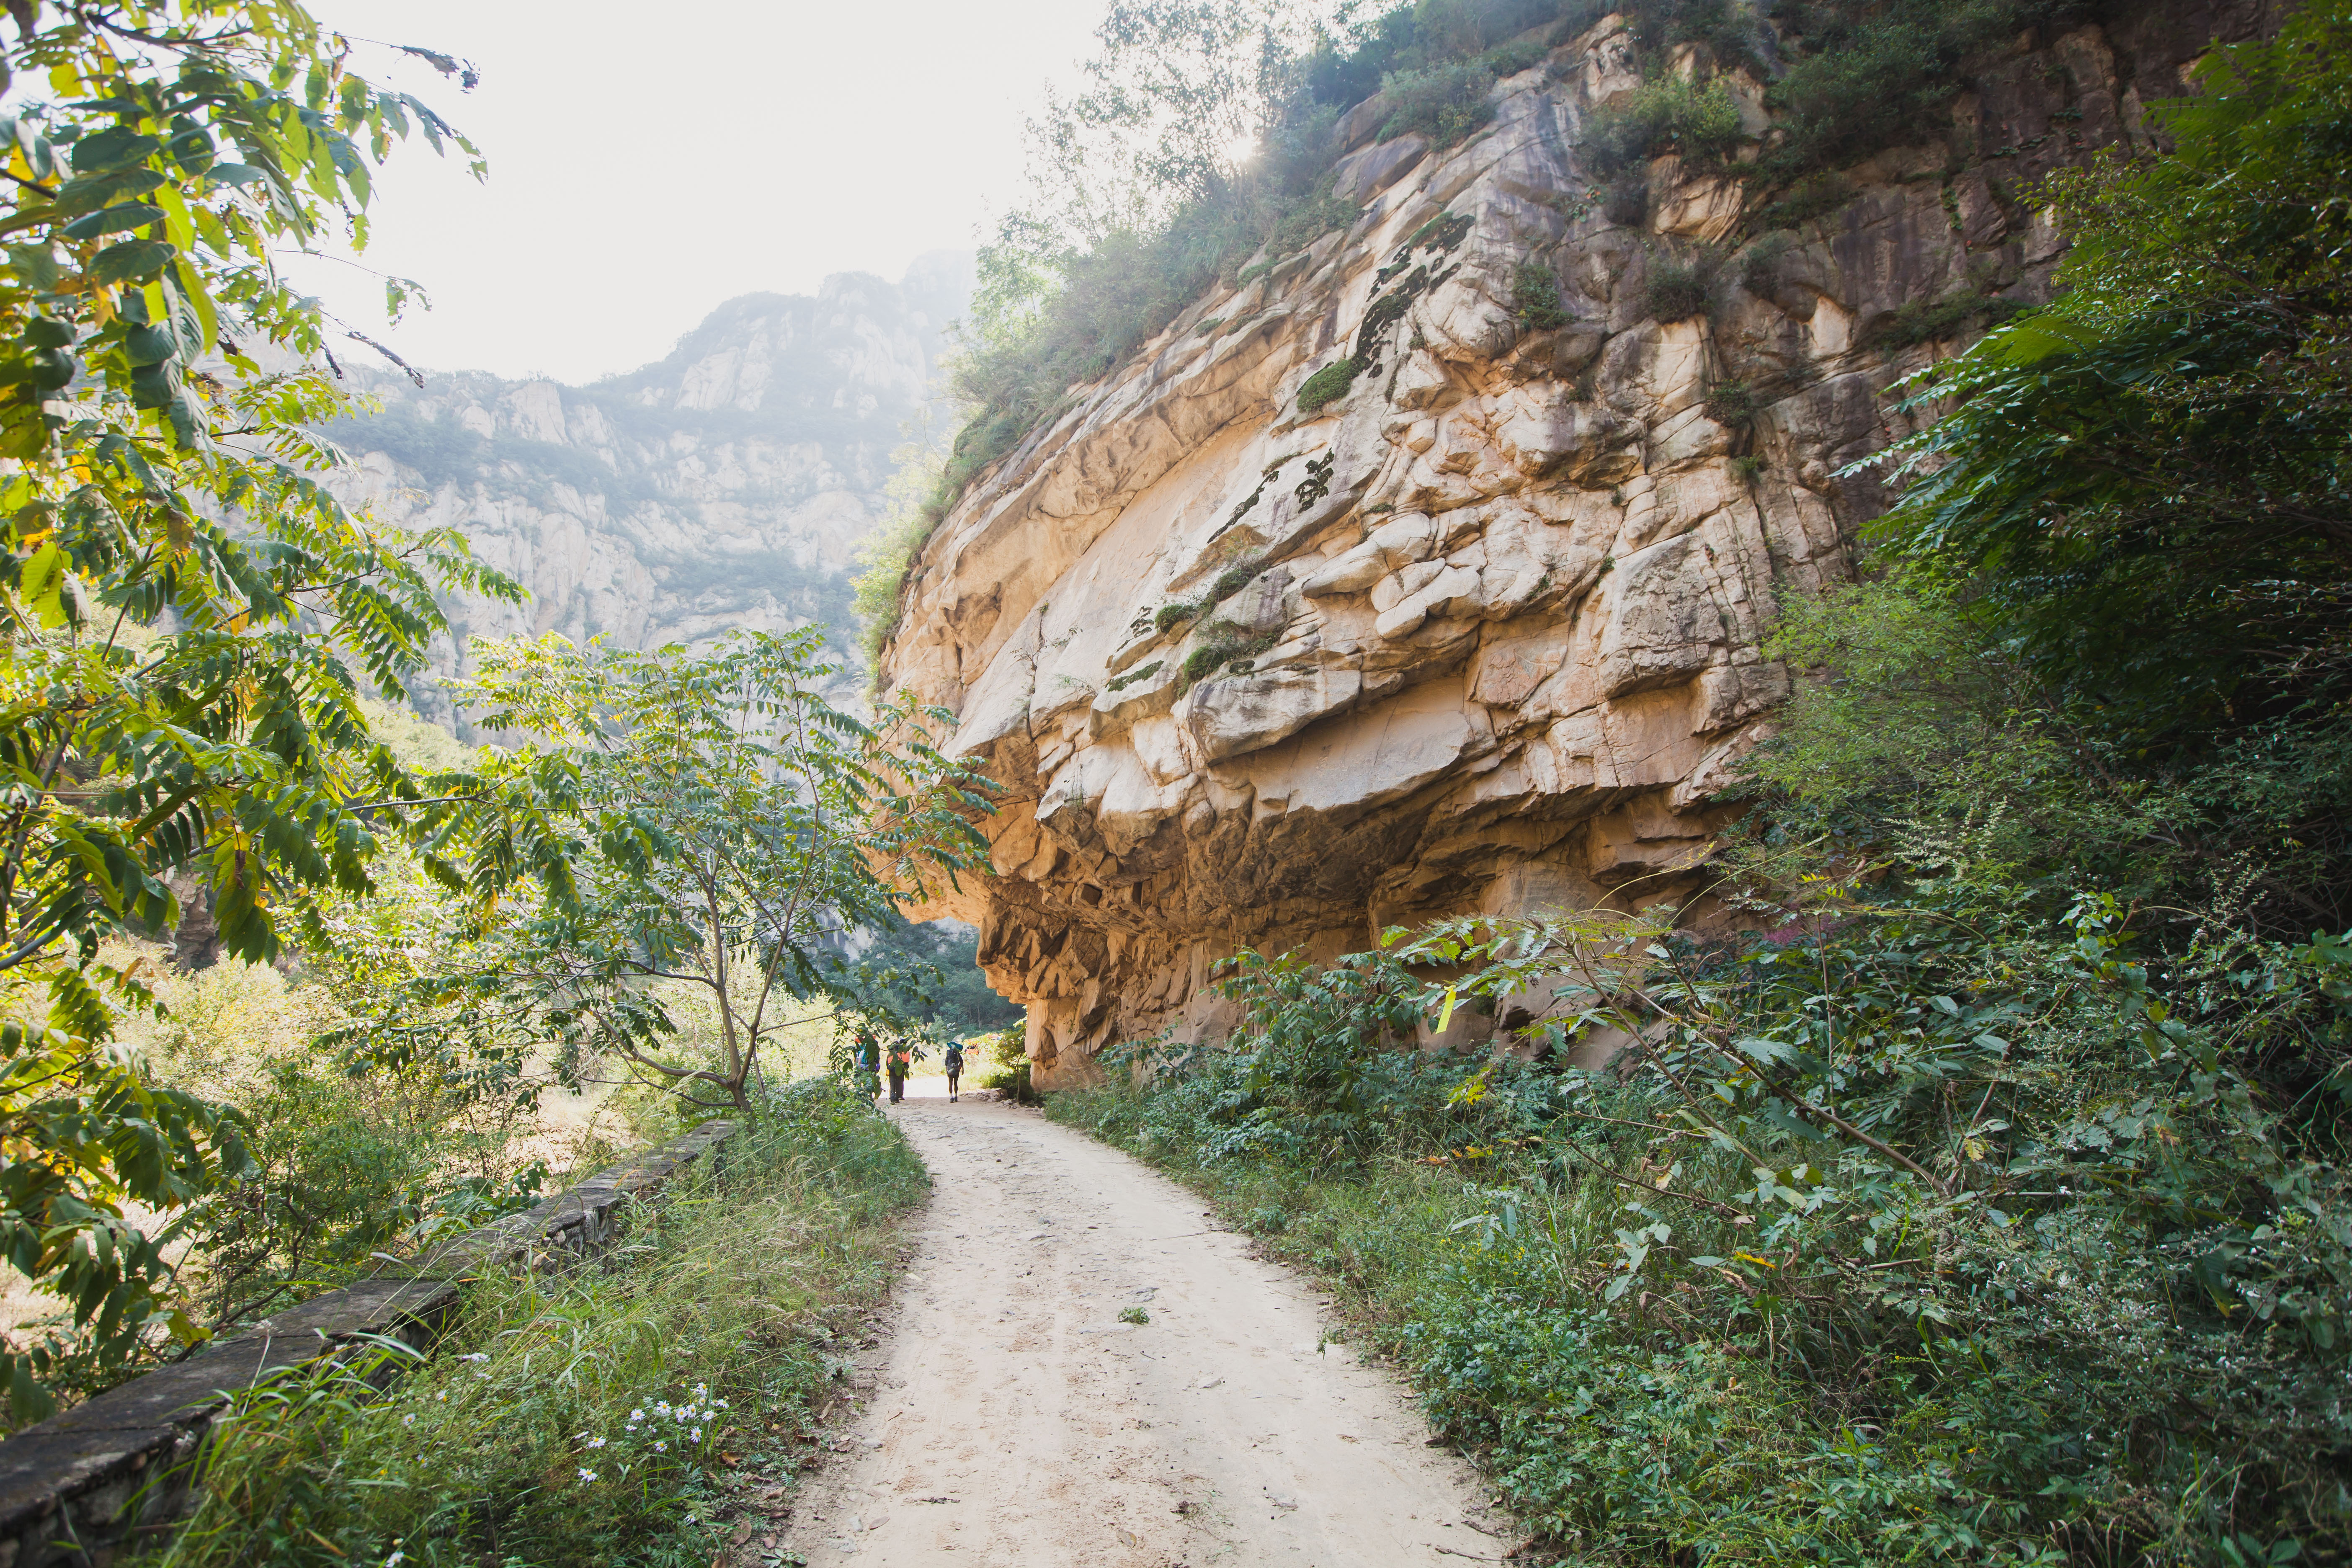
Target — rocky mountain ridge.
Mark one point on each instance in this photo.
(726, 485)
(1369, 592)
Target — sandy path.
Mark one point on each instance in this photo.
(1014, 1420)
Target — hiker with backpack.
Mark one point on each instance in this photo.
(953, 1062)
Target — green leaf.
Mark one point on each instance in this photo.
(129, 261)
(114, 220)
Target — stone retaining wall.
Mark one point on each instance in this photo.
(86, 1487)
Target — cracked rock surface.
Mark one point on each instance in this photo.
(1486, 631)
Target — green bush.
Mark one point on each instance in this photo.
(1627, 200)
(1327, 386)
(1235, 578)
(1731, 402)
(1879, 77)
(1222, 642)
(1815, 196)
(1674, 289)
(1008, 1073)
(1672, 115)
(1510, 60)
(911, 495)
(1443, 102)
(1671, 1312)
(1759, 264)
(1535, 296)
(1310, 220)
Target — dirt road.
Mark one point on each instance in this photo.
(1014, 1421)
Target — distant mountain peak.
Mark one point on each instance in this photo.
(723, 485)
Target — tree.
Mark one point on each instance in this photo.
(737, 825)
(186, 615)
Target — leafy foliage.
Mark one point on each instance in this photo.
(1326, 386)
(2152, 466)
(731, 822)
(346, 1165)
(188, 613)
(1700, 124)
(884, 555)
(1676, 287)
(1535, 296)
(944, 988)
(1443, 102)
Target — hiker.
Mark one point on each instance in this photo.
(869, 1061)
(902, 1061)
(953, 1062)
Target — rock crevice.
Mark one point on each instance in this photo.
(1479, 622)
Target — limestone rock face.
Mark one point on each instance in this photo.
(723, 487)
(1488, 631)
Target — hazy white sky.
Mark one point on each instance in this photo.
(647, 162)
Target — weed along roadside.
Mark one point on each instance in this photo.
(606, 1414)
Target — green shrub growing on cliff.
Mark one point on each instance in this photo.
(1222, 643)
(1947, 316)
(1327, 386)
(1675, 288)
(1232, 579)
(1535, 296)
(912, 494)
(1444, 103)
(1671, 115)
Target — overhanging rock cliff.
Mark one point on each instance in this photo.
(1484, 631)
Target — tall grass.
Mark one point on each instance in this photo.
(600, 1417)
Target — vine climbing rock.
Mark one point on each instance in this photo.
(1086, 1370)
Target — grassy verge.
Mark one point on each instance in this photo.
(1662, 1351)
(612, 1415)
(1619, 1431)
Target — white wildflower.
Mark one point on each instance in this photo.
(696, 1435)
(661, 1447)
(595, 1442)
(408, 1420)
(587, 1475)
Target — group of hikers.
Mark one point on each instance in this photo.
(900, 1060)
